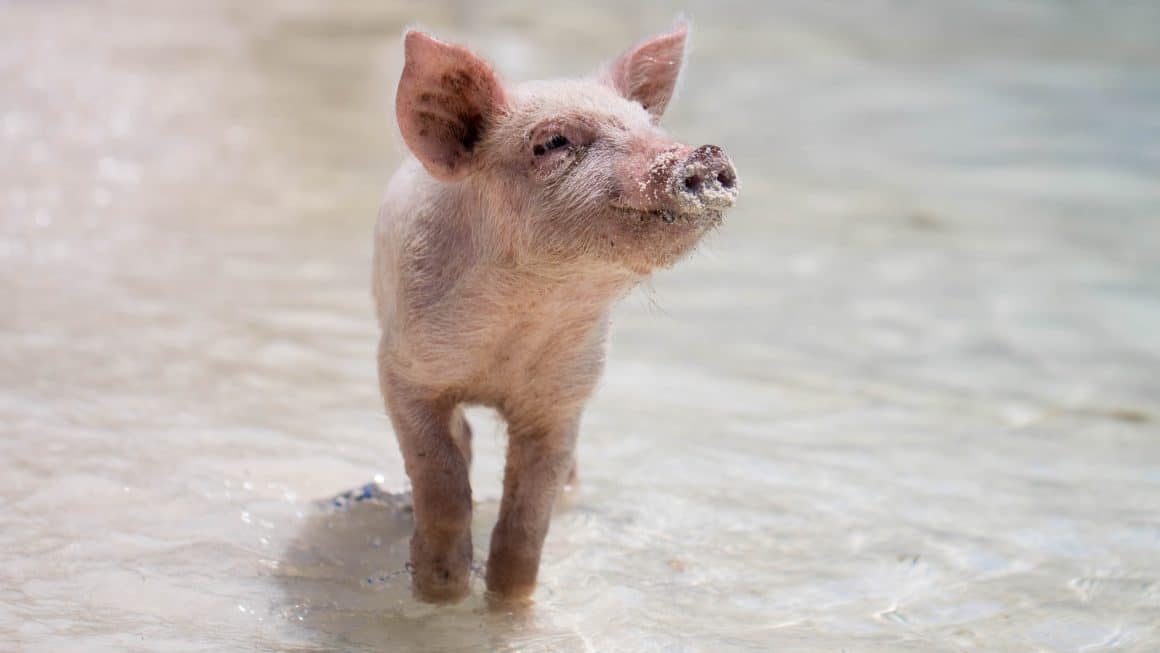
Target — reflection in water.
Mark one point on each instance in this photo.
(345, 581)
(906, 400)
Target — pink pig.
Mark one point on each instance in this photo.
(527, 212)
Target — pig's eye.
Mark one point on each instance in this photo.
(553, 143)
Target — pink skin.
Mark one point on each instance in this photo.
(501, 247)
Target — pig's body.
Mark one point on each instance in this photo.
(499, 252)
(461, 314)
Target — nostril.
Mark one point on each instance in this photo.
(726, 179)
(693, 183)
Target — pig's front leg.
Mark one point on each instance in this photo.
(441, 490)
(539, 459)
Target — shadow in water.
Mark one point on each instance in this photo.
(345, 582)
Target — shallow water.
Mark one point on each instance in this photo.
(907, 399)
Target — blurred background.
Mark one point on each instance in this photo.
(906, 399)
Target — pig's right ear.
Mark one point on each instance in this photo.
(446, 101)
(648, 73)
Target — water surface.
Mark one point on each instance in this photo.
(906, 399)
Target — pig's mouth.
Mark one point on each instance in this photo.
(709, 218)
(648, 239)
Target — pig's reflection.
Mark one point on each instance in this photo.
(345, 581)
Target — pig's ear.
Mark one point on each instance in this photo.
(648, 73)
(446, 101)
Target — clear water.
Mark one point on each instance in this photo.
(907, 399)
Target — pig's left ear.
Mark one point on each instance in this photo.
(446, 101)
(648, 73)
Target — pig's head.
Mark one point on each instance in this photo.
(573, 169)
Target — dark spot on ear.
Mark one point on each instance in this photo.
(429, 119)
(464, 130)
(472, 126)
(443, 107)
(457, 81)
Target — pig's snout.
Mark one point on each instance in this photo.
(705, 180)
(678, 182)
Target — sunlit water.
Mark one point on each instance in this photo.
(906, 399)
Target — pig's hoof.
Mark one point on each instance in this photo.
(509, 597)
(498, 602)
(440, 590)
(440, 571)
(510, 582)
(440, 586)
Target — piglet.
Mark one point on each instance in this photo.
(525, 213)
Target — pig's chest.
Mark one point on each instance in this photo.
(543, 338)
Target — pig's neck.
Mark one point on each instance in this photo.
(499, 223)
